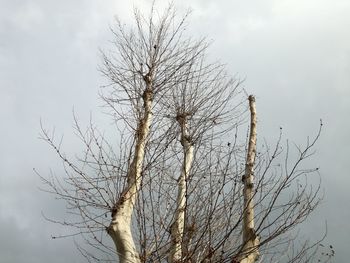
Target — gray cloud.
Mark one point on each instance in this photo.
(294, 55)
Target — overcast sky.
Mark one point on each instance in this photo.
(294, 55)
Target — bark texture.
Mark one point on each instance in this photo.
(178, 225)
(250, 239)
(120, 227)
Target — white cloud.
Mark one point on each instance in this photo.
(28, 16)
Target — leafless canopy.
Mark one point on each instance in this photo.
(169, 103)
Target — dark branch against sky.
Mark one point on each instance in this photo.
(294, 55)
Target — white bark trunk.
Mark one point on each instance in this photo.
(178, 225)
(120, 227)
(250, 240)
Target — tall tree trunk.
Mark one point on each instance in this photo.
(178, 225)
(250, 240)
(120, 227)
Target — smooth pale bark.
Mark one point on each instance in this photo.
(120, 227)
(178, 225)
(250, 240)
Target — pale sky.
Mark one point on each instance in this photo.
(294, 55)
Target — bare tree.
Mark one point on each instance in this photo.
(182, 185)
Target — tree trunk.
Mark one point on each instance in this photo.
(250, 251)
(178, 225)
(120, 227)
